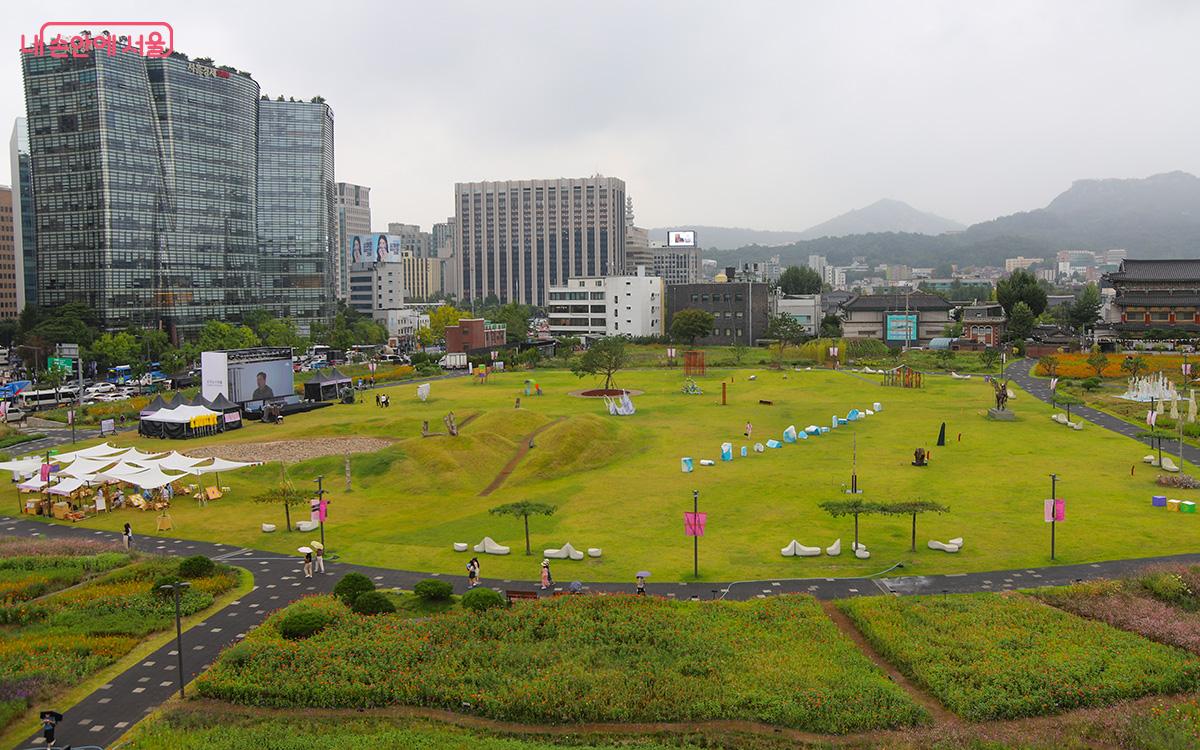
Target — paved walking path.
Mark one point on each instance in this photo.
(102, 717)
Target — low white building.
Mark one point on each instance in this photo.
(593, 306)
(402, 324)
(805, 309)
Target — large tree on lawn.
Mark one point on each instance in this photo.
(852, 507)
(691, 324)
(913, 508)
(283, 493)
(606, 356)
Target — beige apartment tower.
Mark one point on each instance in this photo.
(8, 258)
(515, 239)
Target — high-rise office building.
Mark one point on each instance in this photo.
(413, 239)
(297, 215)
(354, 218)
(518, 238)
(24, 235)
(145, 177)
(676, 265)
(10, 280)
(442, 237)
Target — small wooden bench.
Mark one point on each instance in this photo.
(764, 402)
(513, 596)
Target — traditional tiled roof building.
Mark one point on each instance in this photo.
(1156, 294)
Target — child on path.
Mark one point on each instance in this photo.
(547, 579)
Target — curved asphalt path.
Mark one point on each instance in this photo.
(104, 716)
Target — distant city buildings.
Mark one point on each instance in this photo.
(474, 334)
(805, 309)
(24, 232)
(519, 238)
(740, 309)
(1012, 264)
(608, 306)
(896, 319)
(676, 265)
(10, 279)
(984, 323)
(145, 190)
(354, 218)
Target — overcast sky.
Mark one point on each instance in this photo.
(732, 113)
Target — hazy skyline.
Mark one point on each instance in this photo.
(762, 114)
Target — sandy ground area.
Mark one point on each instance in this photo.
(291, 451)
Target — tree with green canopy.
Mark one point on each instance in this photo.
(606, 356)
(1085, 309)
(913, 508)
(1134, 365)
(1157, 436)
(1021, 321)
(523, 510)
(799, 280)
(1021, 286)
(283, 493)
(691, 324)
(1097, 360)
(852, 507)
(1066, 401)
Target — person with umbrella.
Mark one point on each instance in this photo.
(642, 575)
(473, 573)
(308, 560)
(320, 561)
(547, 579)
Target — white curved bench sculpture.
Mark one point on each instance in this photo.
(489, 546)
(796, 549)
(307, 525)
(956, 541)
(1169, 465)
(268, 528)
(460, 546)
(934, 544)
(563, 553)
(834, 549)
(594, 552)
(860, 551)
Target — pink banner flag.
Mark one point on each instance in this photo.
(693, 523)
(1053, 510)
(319, 511)
(1060, 509)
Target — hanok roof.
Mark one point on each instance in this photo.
(914, 301)
(1162, 299)
(1182, 271)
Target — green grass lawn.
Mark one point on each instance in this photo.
(576, 660)
(992, 656)
(618, 485)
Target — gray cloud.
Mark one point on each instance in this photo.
(766, 114)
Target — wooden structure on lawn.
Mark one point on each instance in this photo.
(903, 377)
(693, 363)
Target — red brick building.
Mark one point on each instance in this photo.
(474, 333)
(984, 323)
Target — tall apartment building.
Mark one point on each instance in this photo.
(297, 215)
(518, 238)
(449, 271)
(145, 190)
(24, 234)
(677, 265)
(10, 280)
(353, 218)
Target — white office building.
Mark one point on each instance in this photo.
(594, 306)
(805, 309)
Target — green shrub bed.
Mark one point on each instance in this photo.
(578, 659)
(992, 656)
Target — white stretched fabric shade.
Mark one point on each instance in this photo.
(96, 451)
(220, 464)
(173, 461)
(22, 465)
(148, 479)
(67, 486)
(32, 485)
(85, 467)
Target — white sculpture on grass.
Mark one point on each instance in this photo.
(423, 391)
(622, 407)
(489, 546)
(1154, 387)
(563, 553)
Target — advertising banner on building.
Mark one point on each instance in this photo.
(681, 238)
(901, 327)
(374, 248)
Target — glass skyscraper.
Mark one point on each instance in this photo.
(24, 233)
(145, 179)
(297, 209)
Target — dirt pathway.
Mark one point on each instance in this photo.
(511, 466)
(941, 716)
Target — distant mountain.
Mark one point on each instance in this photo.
(1158, 216)
(882, 216)
(729, 238)
(1153, 217)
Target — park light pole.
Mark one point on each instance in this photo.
(320, 501)
(175, 588)
(696, 538)
(1053, 510)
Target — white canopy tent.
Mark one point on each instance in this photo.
(148, 479)
(104, 450)
(86, 467)
(35, 484)
(22, 466)
(220, 464)
(173, 461)
(67, 486)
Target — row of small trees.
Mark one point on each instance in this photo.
(858, 507)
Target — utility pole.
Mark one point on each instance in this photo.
(696, 539)
(175, 589)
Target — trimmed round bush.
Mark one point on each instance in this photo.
(373, 603)
(481, 599)
(351, 585)
(431, 589)
(196, 566)
(303, 623)
(156, 587)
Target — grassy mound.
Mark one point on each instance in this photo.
(577, 444)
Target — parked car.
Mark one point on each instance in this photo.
(14, 415)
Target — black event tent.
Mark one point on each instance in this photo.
(325, 386)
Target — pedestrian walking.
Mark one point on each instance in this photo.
(377, 401)
(547, 579)
(749, 429)
(48, 724)
(128, 537)
(473, 573)
(641, 586)
(308, 564)
(320, 568)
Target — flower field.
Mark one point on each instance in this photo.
(988, 656)
(53, 643)
(1076, 366)
(577, 659)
